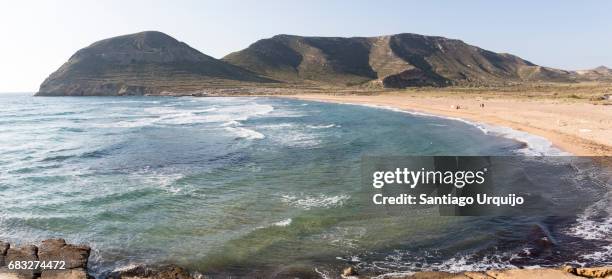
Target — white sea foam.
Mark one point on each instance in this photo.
(161, 110)
(461, 264)
(398, 267)
(284, 127)
(140, 122)
(393, 275)
(536, 145)
(165, 181)
(321, 126)
(308, 202)
(245, 133)
(169, 115)
(604, 254)
(595, 223)
(292, 135)
(323, 274)
(283, 223)
(592, 229)
(590, 226)
(231, 123)
(296, 138)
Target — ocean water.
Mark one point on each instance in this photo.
(258, 187)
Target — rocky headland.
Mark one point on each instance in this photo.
(76, 259)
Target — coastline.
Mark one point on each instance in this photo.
(576, 128)
(74, 265)
(555, 272)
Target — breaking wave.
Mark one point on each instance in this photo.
(308, 202)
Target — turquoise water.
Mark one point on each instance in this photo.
(245, 186)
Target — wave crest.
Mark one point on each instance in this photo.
(307, 202)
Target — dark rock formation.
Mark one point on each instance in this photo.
(74, 256)
(24, 253)
(4, 246)
(144, 272)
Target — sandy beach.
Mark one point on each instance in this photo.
(580, 128)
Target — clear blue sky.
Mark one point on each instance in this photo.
(38, 36)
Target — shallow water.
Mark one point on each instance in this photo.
(243, 185)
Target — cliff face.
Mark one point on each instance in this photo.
(397, 61)
(142, 63)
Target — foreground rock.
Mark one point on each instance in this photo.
(595, 272)
(75, 259)
(144, 272)
(3, 249)
(72, 260)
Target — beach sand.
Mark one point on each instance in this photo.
(580, 128)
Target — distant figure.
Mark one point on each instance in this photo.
(482, 105)
(457, 107)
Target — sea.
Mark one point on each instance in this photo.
(264, 187)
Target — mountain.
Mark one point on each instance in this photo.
(601, 73)
(148, 62)
(396, 61)
(154, 63)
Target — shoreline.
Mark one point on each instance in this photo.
(75, 259)
(513, 115)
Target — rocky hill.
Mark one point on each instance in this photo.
(143, 63)
(395, 61)
(601, 73)
(154, 63)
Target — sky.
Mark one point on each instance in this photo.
(39, 36)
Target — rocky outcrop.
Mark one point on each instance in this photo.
(594, 272)
(65, 274)
(76, 261)
(24, 253)
(144, 272)
(75, 258)
(4, 246)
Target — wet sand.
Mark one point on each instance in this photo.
(580, 128)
